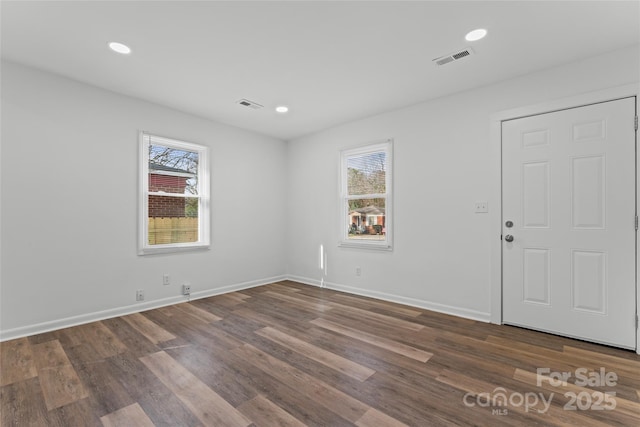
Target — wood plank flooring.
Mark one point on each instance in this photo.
(288, 354)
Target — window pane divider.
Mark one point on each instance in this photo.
(162, 193)
(367, 196)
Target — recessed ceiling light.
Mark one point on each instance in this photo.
(282, 109)
(120, 48)
(475, 34)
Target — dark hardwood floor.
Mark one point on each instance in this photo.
(287, 354)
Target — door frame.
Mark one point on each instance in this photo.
(495, 214)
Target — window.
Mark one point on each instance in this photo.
(174, 195)
(366, 196)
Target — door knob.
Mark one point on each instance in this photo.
(508, 238)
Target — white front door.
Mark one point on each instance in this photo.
(568, 188)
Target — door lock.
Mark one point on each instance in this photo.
(508, 238)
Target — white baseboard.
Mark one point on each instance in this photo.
(427, 305)
(67, 322)
(304, 280)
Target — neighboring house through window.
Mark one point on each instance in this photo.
(366, 183)
(174, 201)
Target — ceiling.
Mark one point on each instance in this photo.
(331, 62)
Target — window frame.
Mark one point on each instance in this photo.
(203, 196)
(345, 224)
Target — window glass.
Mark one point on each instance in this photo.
(175, 191)
(366, 181)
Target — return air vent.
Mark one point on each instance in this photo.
(453, 56)
(250, 104)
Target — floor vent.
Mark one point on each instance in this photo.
(250, 104)
(453, 56)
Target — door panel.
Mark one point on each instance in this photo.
(535, 195)
(536, 275)
(589, 281)
(588, 180)
(569, 189)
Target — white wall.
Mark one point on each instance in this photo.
(69, 205)
(69, 199)
(442, 158)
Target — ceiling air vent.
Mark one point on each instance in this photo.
(453, 56)
(250, 104)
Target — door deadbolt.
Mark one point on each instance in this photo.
(508, 224)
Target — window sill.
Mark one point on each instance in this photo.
(368, 246)
(172, 249)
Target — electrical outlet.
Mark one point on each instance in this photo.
(140, 295)
(165, 280)
(482, 207)
(358, 271)
(186, 289)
